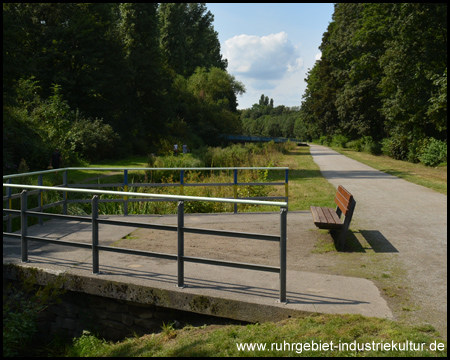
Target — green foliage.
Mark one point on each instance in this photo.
(124, 67)
(315, 329)
(396, 147)
(383, 74)
(265, 120)
(340, 140)
(34, 127)
(87, 345)
(366, 144)
(434, 153)
(188, 39)
(20, 310)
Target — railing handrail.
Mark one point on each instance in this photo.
(162, 196)
(180, 228)
(5, 177)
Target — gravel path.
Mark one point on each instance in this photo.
(409, 220)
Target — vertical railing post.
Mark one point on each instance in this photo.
(9, 206)
(235, 184)
(40, 202)
(180, 260)
(125, 188)
(286, 185)
(95, 261)
(181, 182)
(65, 193)
(24, 226)
(283, 233)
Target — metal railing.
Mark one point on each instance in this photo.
(182, 183)
(180, 229)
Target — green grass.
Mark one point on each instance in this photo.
(434, 178)
(285, 338)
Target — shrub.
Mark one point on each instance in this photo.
(435, 153)
(325, 140)
(339, 140)
(21, 308)
(356, 145)
(416, 149)
(395, 147)
(371, 146)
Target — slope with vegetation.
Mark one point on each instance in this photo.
(107, 79)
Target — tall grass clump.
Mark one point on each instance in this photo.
(248, 155)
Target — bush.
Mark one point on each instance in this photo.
(21, 308)
(356, 145)
(325, 140)
(435, 153)
(395, 147)
(371, 146)
(416, 149)
(340, 141)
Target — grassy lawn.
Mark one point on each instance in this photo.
(332, 335)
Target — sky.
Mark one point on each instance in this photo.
(271, 47)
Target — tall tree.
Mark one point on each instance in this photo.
(416, 53)
(188, 39)
(147, 83)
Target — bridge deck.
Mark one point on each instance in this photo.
(239, 294)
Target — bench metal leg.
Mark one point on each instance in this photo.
(343, 236)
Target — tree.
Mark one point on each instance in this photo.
(416, 54)
(147, 83)
(216, 92)
(188, 39)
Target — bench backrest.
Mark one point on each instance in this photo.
(344, 200)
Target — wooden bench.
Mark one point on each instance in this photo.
(327, 218)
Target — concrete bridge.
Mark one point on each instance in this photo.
(144, 290)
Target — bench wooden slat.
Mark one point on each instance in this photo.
(325, 218)
(343, 199)
(344, 193)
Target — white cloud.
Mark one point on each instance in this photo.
(266, 58)
(318, 56)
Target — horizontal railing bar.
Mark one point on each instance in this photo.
(140, 168)
(137, 224)
(153, 184)
(171, 185)
(231, 234)
(138, 200)
(231, 264)
(155, 254)
(162, 196)
(8, 234)
(178, 168)
(95, 185)
(137, 252)
(208, 184)
(260, 184)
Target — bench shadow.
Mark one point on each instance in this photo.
(375, 239)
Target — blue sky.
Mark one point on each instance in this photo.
(270, 47)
